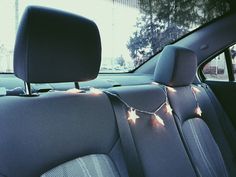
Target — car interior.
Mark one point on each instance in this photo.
(170, 113)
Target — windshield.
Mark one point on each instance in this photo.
(131, 30)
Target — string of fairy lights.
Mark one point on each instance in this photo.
(195, 91)
(132, 113)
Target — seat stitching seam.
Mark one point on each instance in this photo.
(206, 161)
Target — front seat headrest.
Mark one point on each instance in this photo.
(176, 67)
(55, 46)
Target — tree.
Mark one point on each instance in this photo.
(162, 22)
(120, 61)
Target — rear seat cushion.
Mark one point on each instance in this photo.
(160, 147)
(200, 143)
(40, 133)
(211, 117)
(88, 166)
(55, 46)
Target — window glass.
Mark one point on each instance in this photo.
(233, 57)
(131, 30)
(216, 69)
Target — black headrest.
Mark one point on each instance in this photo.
(55, 46)
(176, 66)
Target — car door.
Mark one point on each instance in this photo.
(219, 72)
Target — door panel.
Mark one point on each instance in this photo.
(226, 94)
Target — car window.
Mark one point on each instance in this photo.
(131, 31)
(216, 69)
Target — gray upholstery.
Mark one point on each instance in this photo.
(203, 150)
(40, 133)
(55, 46)
(96, 165)
(160, 148)
(176, 66)
(211, 117)
(198, 138)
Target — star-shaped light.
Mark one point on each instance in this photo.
(155, 83)
(171, 89)
(196, 90)
(74, 91)
(95, 91)
(198, 111)
(159, 119)
(132, 116)
(168, 108)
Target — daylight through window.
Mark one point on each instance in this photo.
(131, 30)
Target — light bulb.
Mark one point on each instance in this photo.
(198, 111)
(168, 108)
(74, 91)
(132, 116)
(196, 90)
(95, 91)
(155, 83)
(171, 89)
(159, 119)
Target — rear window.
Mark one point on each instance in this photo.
(131, 30)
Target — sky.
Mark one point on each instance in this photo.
(116, 22)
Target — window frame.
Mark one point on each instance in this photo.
(228, 61)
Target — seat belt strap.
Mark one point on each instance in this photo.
(132, 160)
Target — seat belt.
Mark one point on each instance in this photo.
(228, 130)
(132, 160)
